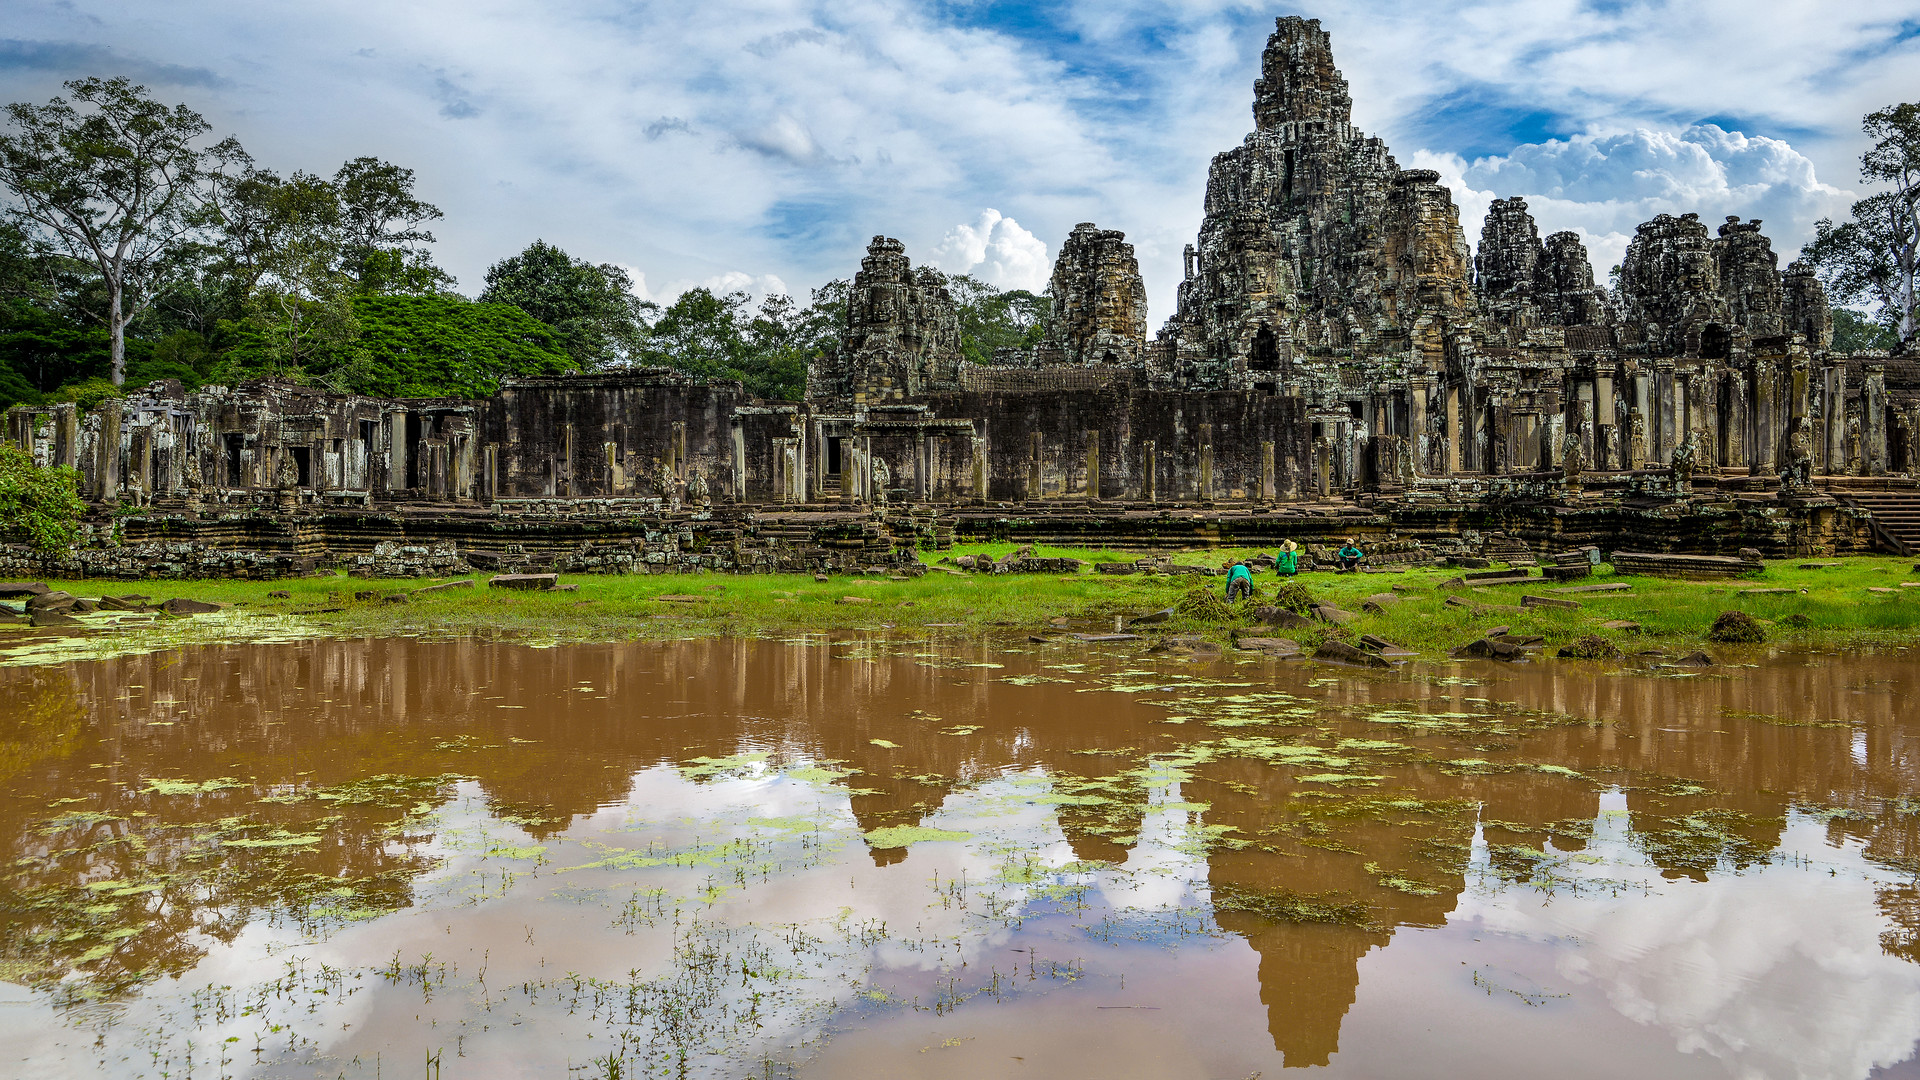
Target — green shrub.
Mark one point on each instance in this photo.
(1294, 597)
(1736, 628)
(88, 393)
(42, 505)
(1796, 621)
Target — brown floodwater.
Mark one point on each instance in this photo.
(883, 858)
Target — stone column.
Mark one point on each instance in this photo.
(492, 477)
(1148, 464)
(1034, 477)
(397, 450)
(1873, 419)
(1093, 465)
(1834, 414)
(1206, 463)
(979, 466)
(1664, 424)
(1605, 423)
(1266, 471)
(1453, 430)
(1418, 436)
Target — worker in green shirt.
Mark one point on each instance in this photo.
(1239, 579)
(1350, 557)
(1287, 561)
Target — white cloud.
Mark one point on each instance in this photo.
(1602, 187)
(695, 139)
(757, 286)
(997, 249)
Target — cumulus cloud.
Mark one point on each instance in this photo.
(757, 286)
(1603, 186)
(996, 248)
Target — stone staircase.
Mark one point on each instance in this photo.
(1895, 511)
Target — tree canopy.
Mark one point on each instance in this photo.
(1874, 258)
(592, 309)
(40, 504)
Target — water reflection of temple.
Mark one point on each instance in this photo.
(548, 735)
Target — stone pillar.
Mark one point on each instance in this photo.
(1034, 477)
(1148, 463)
(492, 477)
(1873, 419)
(397, 450)
(1266, 470)
(1736, 422)
(1453, 431)
(1605, 424)
(1834, 411)
(107, 453)
(1418, 436)
(1666, 418)
(1206, 463)
(679, 450)
(739, 433)
(979, 464)
(615, 474)
(1764, 423)
(1093, 465)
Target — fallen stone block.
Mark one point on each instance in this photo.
(1115, 568)
(1817, 566)
(1384, 647)
(1549, 602)
(1695, 659)
(1339, 652)
(180, 605)
(523, 581)
(1152, 618)
(84, 606)
(1460, 601)
(446, 586)
(1489, 649)
(854, 600)
(1880, 589)
(50, 601)
(677, 598)
(1612, 586)
(1327, 613)
(1095, 639)
(1272, 646)
(1769, 592)
(1378, 603)
(14, 590)
(1471, 562)
(1522, 640)
(367, 594)
(8, 618)
(1497, 577)
(1626, 626)
(1184, 645)
(1284, 618)
(395, 598)
(53, 618)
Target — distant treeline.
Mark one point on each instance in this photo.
(135, 249)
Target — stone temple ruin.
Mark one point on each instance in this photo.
(1340, 364)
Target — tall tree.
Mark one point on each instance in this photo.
(383, 241)
(991, 319)
(592, 308)
(116, 182)
(1875, 257)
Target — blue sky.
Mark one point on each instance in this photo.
(759, 143)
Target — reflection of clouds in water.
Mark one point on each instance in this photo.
(1777, 971)
(555, 918)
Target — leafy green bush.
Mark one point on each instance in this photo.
(88, 393)
(42, 505)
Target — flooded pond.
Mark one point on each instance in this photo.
(902, 859)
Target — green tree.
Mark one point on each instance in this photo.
(699, 333)
(991, 319)
(43, 505)
(383, 241)
(116, 183)
(449, 346)
(782, 338)
(1875, 257)
(1854, 332)
(592, 308)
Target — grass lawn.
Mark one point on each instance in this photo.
(1828, 607)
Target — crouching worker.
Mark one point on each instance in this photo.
(1350, 557)
(1239, 581)
(1287, 561)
